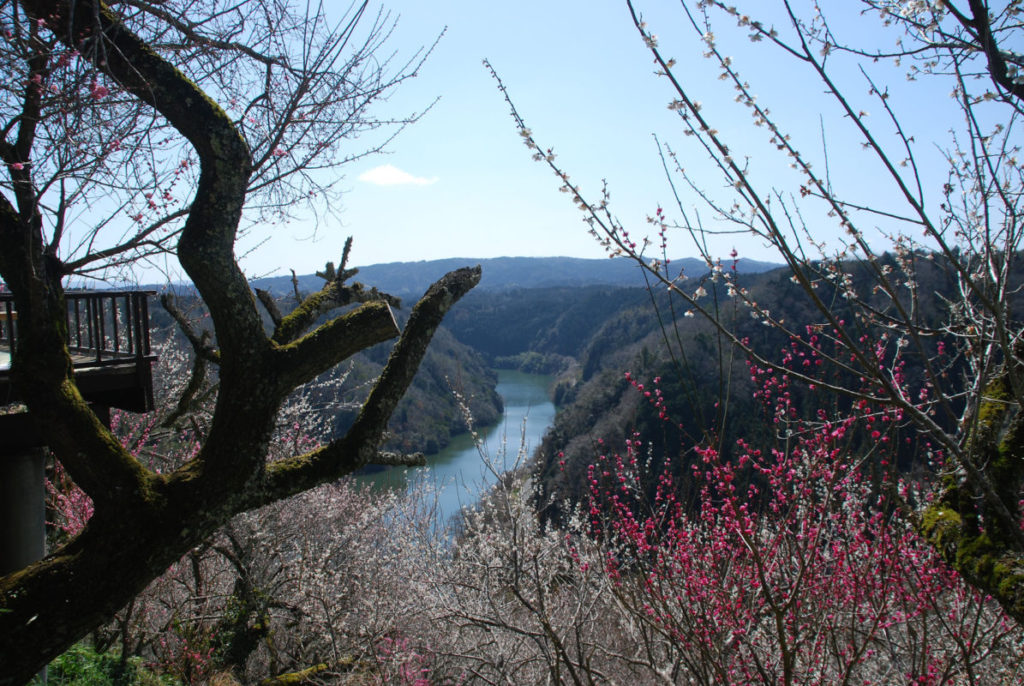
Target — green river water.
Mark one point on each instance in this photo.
(461, 472)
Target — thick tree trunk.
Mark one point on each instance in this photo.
(51, 604)
(55, 602)
(982, 537)
(143, 520)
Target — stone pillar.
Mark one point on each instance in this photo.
(22, 509)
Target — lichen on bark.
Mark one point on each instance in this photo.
(979, 540)
(144, 521)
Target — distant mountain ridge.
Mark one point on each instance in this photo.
(504, 273)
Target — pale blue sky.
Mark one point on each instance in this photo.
(582, 78)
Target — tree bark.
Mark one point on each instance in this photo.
(144, 520)
(977, 539)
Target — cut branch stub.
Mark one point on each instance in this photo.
(332, 296)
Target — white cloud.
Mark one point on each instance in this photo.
(389, 175)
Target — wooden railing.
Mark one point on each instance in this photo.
(8, 318)
(104, 327)
(108, 338)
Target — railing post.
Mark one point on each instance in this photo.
(130, 319)
(115, 333)
(67, 316)
(10, 324)
(90, 330)
(144, 299)
(139, 316)
(78, 323)
(101, 329)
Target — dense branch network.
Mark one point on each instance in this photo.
(866, 302)
(113, 112)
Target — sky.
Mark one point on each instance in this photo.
(460, 182)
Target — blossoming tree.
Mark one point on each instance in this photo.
(116, 150)
(871, 311)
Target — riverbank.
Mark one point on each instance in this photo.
(462, 471)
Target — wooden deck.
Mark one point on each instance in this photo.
(108, 336)
(78, 360)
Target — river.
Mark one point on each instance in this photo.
(459, 473)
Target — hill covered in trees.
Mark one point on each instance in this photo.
(808, 477)
(534, 314)
(589, 337)
(503, 273)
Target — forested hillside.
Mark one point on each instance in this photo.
(504, 273)
(546, 321)
(591, 337)
(805, 475)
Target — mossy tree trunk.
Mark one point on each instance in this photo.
(980, 533)
(143, 520)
